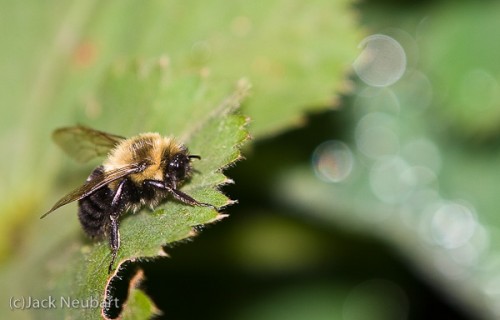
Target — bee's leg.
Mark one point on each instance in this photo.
(114, 234)
(114, 240)
(179, 195)
(187, 199)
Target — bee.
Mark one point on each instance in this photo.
(140, 171)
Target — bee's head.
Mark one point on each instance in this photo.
(179, 167)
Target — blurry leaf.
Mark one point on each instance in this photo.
(460, 53)
(353, 208)
(397, 177)
(375, 300)
(142, 307)
(297, 55)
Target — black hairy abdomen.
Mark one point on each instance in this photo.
(94, 210)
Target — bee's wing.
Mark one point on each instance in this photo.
(83, 143)
(96, 183)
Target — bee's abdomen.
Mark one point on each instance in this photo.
(93, 210)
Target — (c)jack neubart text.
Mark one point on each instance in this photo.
(51, 302)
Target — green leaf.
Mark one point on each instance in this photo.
(57, 59)
(139, 307)
(429, 192)
(216, 136)
(296, 55)
(216, 133)
(465, 71)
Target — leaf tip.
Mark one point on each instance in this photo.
(163, 253)
(192, 233)
(220, 216)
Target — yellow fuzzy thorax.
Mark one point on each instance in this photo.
(150, 147)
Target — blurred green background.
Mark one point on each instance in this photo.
(370, 188)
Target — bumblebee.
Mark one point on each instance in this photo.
(140, 171)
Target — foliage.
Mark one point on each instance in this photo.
(407, 192)
(126, 67)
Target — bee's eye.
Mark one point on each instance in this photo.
(178, 166)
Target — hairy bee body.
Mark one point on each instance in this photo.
(93, 210)
(140, 171)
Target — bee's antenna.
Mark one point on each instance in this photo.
(194, 156)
